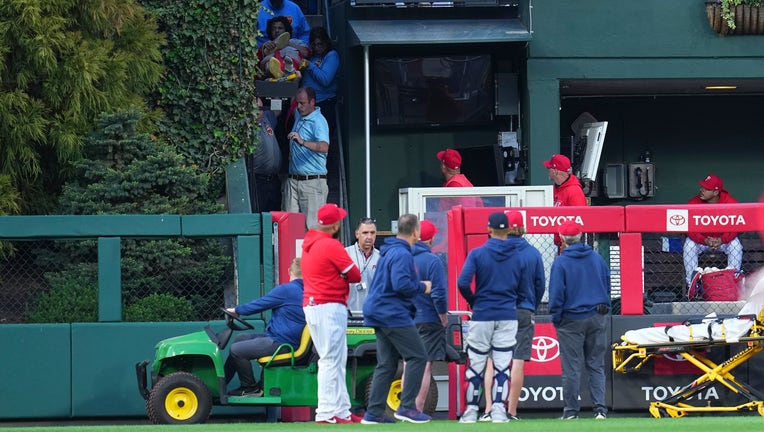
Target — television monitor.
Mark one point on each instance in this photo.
(592, 139)
(434, 91)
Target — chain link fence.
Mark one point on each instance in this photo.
(665, 275)
(51, 281)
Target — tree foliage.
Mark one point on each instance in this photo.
(207, 94)
(62, 64)
(128, 172)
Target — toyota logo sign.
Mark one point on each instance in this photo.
(544, 349)
(677, 220)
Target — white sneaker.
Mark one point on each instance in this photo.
(470, 415)
(499, 413)
(600, 416)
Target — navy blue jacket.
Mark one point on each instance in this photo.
(497, 281)
(288, 319)
(578, 282)
(532, 289)
(430, 267)
(390, 302)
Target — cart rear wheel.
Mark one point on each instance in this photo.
(393, 400)
(179, 398)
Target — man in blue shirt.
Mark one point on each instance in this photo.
(287, 8)
(286, 325)
(306, 187)
(579, 299)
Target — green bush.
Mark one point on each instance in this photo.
(128, 172)
(73, 297)
(160, 307)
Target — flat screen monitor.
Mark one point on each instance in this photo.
(451, 90)
(593, 138)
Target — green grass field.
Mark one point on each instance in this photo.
(706, 423)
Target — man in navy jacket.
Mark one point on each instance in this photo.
(431, 310)
(579, 299)
(389, 308)
(493, 326)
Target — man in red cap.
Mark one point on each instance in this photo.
(711, 192)
(450, 167)
(579, 299)
(431, 316)
(567, 188)
(326, 271)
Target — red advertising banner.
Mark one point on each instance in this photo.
(545, 352)
(545, 220)
(694, 218)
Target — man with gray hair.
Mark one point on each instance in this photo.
(579, 299)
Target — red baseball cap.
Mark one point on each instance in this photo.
(569, 228)
(515, 219)
(329, 214)
(711, 182)
(450, 158)
(427, 230)
(558, 162)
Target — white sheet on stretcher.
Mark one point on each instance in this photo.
(730, 329)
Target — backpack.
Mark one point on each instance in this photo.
(713, 284)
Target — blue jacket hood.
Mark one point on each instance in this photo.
(501, 249)
(392, 243)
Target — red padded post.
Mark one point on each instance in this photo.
(632, 301)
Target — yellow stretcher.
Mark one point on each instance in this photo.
(690, 340)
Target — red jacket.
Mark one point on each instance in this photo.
(326, 269)
(459, 180)
(700, 238)
(569, 193)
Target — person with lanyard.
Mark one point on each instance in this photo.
(365, 256)
(306, 187)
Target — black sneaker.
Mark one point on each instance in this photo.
(247, 391)
(512, 417)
